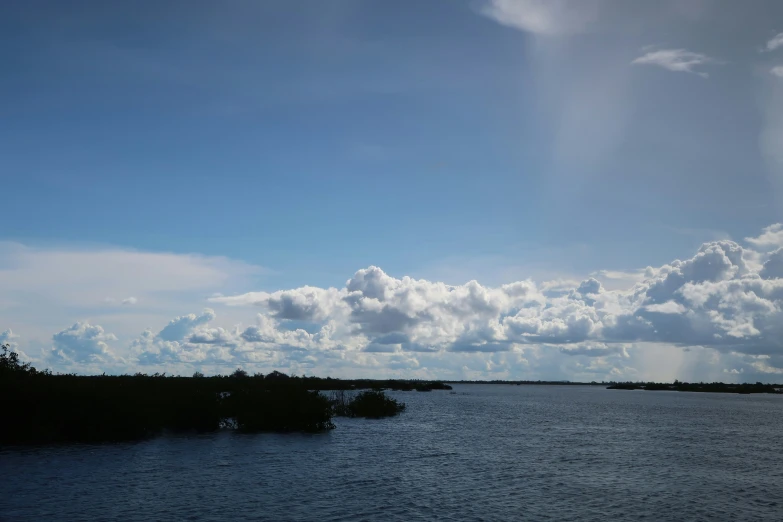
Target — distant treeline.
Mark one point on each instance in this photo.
(42, 407)
(715, 387)
(520, 383)
(710, 387)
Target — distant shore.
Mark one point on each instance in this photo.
(712, 387)
(704, 387)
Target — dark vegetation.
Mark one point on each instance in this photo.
(373, 404)
(713, 387)
(710, 387)
(521, 383)
(416, 385)
(42, 407)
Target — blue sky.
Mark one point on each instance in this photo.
(265, 146)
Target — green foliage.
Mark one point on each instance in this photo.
(372, 404)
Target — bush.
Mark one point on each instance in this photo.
(281, 409)
(373, 404)
(44, 408)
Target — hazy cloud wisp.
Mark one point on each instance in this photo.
(677, 60)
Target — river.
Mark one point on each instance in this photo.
(481, 452)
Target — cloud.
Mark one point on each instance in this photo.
(594, 350)
(777, 71)
(180, 327)
(618, 274)
(85, 276)
(677, 60)
(83, 343)
(724, 304)
(306, 303)
(124, 291)
(771, 237)
(669, 307)
(217, 348)
(193, 339)
(618, 279)
(8, 337)
(128, 301)
(589, 286)
(44, 287)
(773, 266)
(543, 17)
(727, 297)
(775, 42)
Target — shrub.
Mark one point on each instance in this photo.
(373, 404)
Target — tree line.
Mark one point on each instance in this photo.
(43, 407)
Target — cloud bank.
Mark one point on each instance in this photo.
(725, 297)
(723, 305)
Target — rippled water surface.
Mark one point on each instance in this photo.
(485, 452)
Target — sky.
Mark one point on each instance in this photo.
(480, 189)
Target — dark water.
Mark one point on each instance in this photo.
(486, 453)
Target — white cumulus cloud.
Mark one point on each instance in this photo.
(83, 343)
(181, 326)
(726, 296)
(770, 237)
(724, 304)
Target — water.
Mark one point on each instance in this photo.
(493, 452)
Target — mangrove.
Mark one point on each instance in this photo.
(42, 407)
